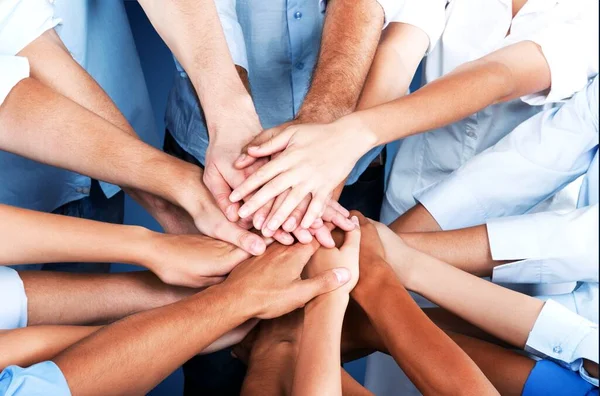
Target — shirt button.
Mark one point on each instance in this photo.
(85, 190)
(557, 349)
(472, 135)
(298, 15)
(182, 74)
(300, 66)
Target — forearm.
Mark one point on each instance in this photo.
(193, 31)
(471, 87)
(467, 249)
(469, 297)
(351, 387)
(122, 357)
(318, 366)
(40, 124)
(30, 345)
(350, 36)
(422, 349)
(108, 297)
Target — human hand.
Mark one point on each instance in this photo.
(315, 160)
(347, 256)
(190, 260)
(271, 286)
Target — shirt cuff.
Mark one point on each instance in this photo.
(12, 69)
(391, 8)
(564, 336)
(12, 292)
(44, 378)
(451, 204)
(22, 22)
(427, 15)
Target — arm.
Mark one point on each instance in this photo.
(422, 349)
(187, 260)
(32, 110)
(121, 357)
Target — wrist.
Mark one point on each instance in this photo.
(332, 302)
(354, 130)
(238, 107)
(137, 245)
(243, 309)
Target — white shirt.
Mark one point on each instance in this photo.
(566, 31)
(13, 311)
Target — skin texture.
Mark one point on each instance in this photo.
(333, 149)
(120, 357)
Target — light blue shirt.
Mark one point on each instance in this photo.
(41, 379)
(282, 42)
(98, 36)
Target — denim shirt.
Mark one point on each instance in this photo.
(282, 41)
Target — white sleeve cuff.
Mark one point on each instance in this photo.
(23, 21)
(391, 8)
(13, 313)
(233, 32)
(427, 15)
(12, 69)
(562, 335)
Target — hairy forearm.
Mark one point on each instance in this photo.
(318, 366)
(503, 75)
(40, 124)
(193, 31)
(121, 357)
(108, 297)
(350, 36)
(467, 249)
(30, 345)
(468, 296)
(421, 348)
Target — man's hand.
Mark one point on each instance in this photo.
(315, 160)
(190, 260)
(346, 256)
(271, 283)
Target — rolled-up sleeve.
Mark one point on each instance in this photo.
(13, 313)
(427, 15)
(536, 160)
(41, 379)
(22, 21)
(568, 37)
(553, 247)
(233, 31)
(565, 337)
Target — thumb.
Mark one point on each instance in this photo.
(245, 160)
(321, 283)
(248, 241)
(352, 241)
(274, 145)
(220, 190)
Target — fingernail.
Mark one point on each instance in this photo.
(243, 212)
(273, 224)
(256, 248)
(258, 222)
(235, 196)
(289, 239)
(355, 221)
(290, 224)
(342, 275)
(253, 147)
(242, 157)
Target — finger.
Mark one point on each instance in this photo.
(283, 237)
(220, 190)
(274, 145)
(245, 160)
(268, 192)
(337, 206)
(300, 254)
(352, 241)
(322, 283)
(258, 220)
(318, 223)
(338, 219)
(303, 236)
(314, 210)
(293, 221)
(323, 235)
(250, 242)
(267, 232)
(205, 281)
(263, 175)
(291, 201)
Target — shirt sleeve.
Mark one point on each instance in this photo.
(38, 380)
(565, 337)
(12, 69)
(13, 313)
(553, 247)
(22, 21)
(533, 162)
(233, 31)
(568, 37)
(427, 15)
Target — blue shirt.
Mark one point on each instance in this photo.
(98, 36)
(41, 379)
(282, 41)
